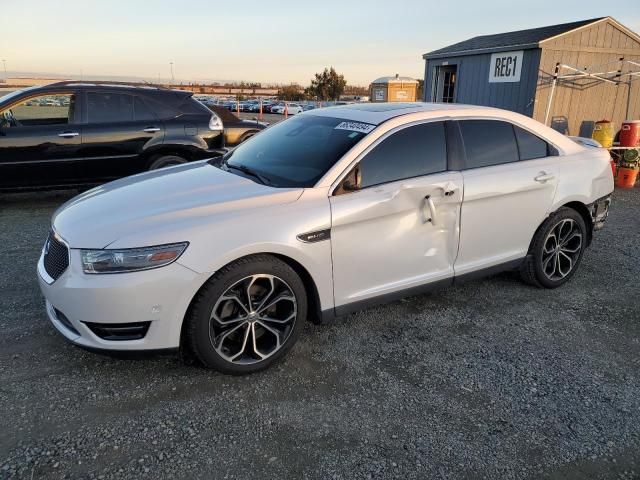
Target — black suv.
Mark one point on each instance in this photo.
(72, 134)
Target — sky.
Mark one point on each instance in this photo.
(271, 42)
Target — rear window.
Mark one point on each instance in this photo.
(161, 109)
(488, 142)
(529, 145)
(108, 107)
(142, 111)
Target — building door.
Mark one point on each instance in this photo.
(445, 83)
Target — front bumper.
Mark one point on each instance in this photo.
(160, 297)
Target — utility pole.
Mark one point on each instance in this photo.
(173, 80)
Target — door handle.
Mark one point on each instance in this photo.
(544, 177)
(151, 129)
(432, 210)
(68, 134)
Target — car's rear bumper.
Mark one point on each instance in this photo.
(599, 212)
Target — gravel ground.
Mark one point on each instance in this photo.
(492, 379)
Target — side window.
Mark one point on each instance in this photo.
(107, 107)
(162, 109)
(411, 152)
(488, 142)
(51, 109)
(531, 146)
(142, 111)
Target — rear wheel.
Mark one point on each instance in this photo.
(247, 316)
(166, 161)
(246, 136)
(556, 250)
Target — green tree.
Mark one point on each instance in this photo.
(293, 92)
(327, 85)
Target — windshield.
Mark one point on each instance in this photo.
(299, 151)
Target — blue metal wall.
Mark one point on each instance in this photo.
(473, 85)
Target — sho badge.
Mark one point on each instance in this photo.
(316, 236)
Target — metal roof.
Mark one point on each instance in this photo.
(395, 79)
(522, 39)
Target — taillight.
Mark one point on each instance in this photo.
(215, 123)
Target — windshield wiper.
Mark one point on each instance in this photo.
(249, 171)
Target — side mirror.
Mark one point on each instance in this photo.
(351, 183)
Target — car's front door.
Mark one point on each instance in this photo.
(510, 178)
(395, 218)
(118, 128)
(40, 142)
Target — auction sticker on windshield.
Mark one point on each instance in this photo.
(355, 127)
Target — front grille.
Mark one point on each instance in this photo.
(119, 331)
(56, 256)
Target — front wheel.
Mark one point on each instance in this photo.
(247, 316)
(556, 250)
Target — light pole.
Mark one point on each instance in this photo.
(4, 63)
(173, 80)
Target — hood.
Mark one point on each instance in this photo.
(165, 199)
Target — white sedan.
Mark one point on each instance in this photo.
(328, 212)
(290, 108)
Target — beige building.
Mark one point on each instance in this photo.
(394, 89)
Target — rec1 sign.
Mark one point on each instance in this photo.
(505, 67)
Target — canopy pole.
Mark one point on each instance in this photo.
(550, 98)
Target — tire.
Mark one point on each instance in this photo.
(223, 333)
(246, 137)
(167, 161)
(556, 250)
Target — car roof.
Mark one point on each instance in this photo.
(66, 85)
(376, 113)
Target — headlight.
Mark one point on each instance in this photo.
(131, 259)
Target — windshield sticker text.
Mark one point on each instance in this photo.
(355, 127)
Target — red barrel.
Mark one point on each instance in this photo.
(626, 177)
(630, 133)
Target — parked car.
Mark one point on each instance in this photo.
(207, 100)
(320, 215)
(255, 108)
(99, 132)
(237, 130)
(292, 108)
(270, 106)
(308, 107)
